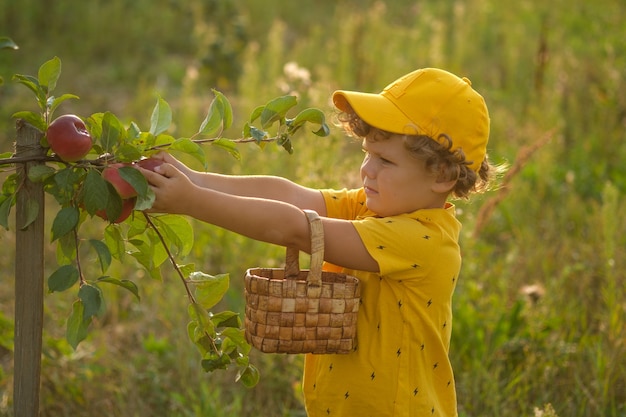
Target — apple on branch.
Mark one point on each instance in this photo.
(149, 163)
(69, 138)
(111, 174)
(127, 208)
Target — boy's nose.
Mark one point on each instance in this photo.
(367, 169)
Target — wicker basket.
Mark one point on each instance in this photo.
(308, 311)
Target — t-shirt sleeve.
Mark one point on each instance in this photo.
(345, 204)
(404, 247)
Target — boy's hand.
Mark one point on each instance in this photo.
(173, 190)
(193, 175)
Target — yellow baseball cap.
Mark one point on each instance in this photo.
(427, 101)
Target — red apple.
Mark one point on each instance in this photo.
(111, 174)
(127, 208)
(149, 163)
(68, 138)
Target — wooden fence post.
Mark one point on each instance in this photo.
(29, 285)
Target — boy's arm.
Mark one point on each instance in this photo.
(273, 221)
(258, 186)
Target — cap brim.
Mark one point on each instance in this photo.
(374, 109)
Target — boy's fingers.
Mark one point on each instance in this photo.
(152, 176)
(166, 170)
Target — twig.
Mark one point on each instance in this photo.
(170, 256)
(78, 265)
(103, 160)
(522, 158)
(24, 159)
(180, 273)
(210, 140)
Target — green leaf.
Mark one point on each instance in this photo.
(133, 131)
(6, 202)
(311, 115)
(33, 84)
(145, 202)
(163, 141)
(128, 152)
(124, 283)
(56, 101)
(212, 123)
(200, 315)
(238, 337)
(285, 142)
(32, 211)
(64, 222)
(201, 330)
(219, 116)
(65, 181)
(150, 254)
(134, 178)
(226, 319)
(187, 269)
(243, 360)
(323, 131)
(177, 232)
(161, 117)
(249, 376)
(77, 325)
(95, 192)
(112, 132)
(200, 338)
(229, 146)
(226, 108)
(213, 361)
(191, 148)
(35, 119)
(114, 203)
(66, 249)
(209, 289)
(63, 278)
(7, 43)
(115, 242)
(228, 347)
(91, 296)
(39, 173)
(9, 186)
(49, 74)
(94, 125)
(257, 134)
(256, 113)
(276, 110)
(104, 254)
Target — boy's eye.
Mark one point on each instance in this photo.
(380, 158)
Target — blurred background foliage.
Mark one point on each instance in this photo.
(540, 308)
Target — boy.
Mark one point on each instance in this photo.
(424, 138)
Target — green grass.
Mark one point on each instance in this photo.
(558, 234)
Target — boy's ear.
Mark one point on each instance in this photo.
(443, 187)
(446, 180)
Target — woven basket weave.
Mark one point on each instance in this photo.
(301, 311)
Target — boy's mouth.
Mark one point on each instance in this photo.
(369, 190)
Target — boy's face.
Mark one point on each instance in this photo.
(394, 181)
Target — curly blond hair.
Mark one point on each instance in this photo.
(437, 154)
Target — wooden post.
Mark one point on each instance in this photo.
(29, 286)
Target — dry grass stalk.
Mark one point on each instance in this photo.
(523, 156)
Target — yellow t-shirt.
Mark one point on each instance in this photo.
(400, 366)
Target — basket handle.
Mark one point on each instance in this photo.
(292, 262)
